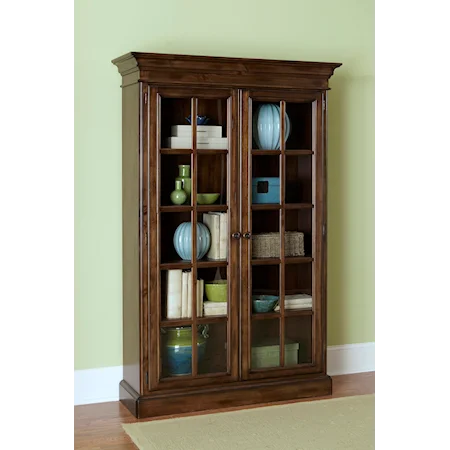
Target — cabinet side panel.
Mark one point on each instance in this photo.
(130, 234)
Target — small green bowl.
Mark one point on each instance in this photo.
(207, 199)
(216, 291)
(264, 303)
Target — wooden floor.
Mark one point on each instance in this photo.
(99, 426)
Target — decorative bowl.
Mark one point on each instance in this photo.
(264, 303)
(216, 291)
(182, 240)
(201, 120)
(207, 199)
(266, 127)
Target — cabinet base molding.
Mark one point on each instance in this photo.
(166, 403)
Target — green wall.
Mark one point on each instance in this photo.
(314, 30)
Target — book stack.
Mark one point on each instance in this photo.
(296, 301)
(208, 137)
(215, 308)
(179, 294)
(217, 223)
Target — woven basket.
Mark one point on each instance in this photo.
(267, 245)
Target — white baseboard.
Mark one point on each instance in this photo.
(97, 385)
(351, 358)
(102, 385)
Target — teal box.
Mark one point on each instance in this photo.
(266, 190)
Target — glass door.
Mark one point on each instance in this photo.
(283, 216)
(194, 314)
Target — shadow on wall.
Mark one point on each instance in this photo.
(336, 171)
(350, 207)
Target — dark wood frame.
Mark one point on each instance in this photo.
(145, 77)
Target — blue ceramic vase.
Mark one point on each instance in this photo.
(178, 347)
(266, 127)
(182, 240)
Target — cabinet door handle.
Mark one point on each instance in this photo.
(236, 235)
(247, 235)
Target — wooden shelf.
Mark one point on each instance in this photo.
(287, 260)
(176, 151)
(188, 208)
(189, 151)
(299, 152)
(257, 152)
(188, 322)
(298, 206)
(202, 263)
(298, 259)
(287, 313)
(175, 208)
(265, 261)
(277, 206)
(265, 206)
(206, 208)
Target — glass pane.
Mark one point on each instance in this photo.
(265, 288)
(214, 285)
(212, 179)
(299, 126)
(266, 125)
(265, 234)
(298, 186)
(298, 232)
(213, 358)
(180, 250)
(212, 124)
(298, 340)
(176, 131)
(176, 350)
(298, 287)
(175, 177)
(265, 187)
(265, 344)
(177, 300)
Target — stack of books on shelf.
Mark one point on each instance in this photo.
(296, 301)
(217, 223)
(208, 137)
(179, 294)
(215, 308)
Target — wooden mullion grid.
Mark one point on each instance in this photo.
(155, 370)
(194, 105)
(282, 225)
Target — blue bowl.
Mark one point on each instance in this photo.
(201, 120)
(264, 303)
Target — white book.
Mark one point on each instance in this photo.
(189, 296)
(174, 294)
(202, 143)
(299, 297)
(223, 239)
(184, 294)
(215, 309)
(200, 288)
(212, 221)
(202, 130)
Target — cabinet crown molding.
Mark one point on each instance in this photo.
(170, 69)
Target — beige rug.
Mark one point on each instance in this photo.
(346, 423)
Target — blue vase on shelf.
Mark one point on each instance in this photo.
(266, 127)
(182, 240)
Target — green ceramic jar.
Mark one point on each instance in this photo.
(185, 177)
(178, 348)
(178, 196)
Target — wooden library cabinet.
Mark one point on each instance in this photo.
(242, 322)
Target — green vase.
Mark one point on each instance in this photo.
(178, 196)
(178, 349)
(185, 178)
